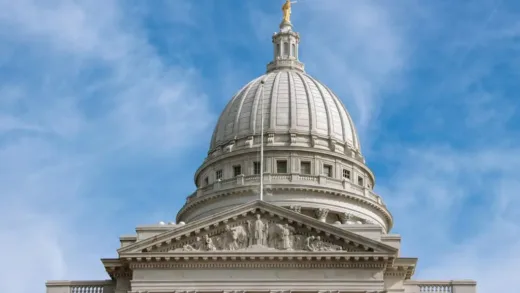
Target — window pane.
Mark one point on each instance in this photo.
(256, 168)
(305, 168)
(346, 173)
(327, 170)
(281, 167)
(237, 170)
(219, 174)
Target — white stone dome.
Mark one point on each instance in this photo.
(307, 158)
(294, 102)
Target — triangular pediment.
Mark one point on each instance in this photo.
(258, 227)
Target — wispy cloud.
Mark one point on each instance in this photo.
(81, 87)
(101, 102)
(455, 210)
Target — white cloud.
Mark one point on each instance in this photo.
(455, 210)
(87, 86)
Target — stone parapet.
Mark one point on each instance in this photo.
(105, 286)
(453, 286)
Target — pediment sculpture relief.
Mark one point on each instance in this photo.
(257, 234)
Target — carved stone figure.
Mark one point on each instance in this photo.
(192, 247)
(297, 209)
(234, 238)
(286, 237)
(321, 214)
(208, 244)
(316, 244)
(309, 243)
(347, 218)
(259, 231)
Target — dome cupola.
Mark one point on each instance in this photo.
(312, 159)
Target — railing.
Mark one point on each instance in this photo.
(309, 180)
(80, 286)
(441, 286)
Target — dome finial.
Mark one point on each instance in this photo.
(286, 8)
(286, 43)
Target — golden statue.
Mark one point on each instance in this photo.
(286, 8)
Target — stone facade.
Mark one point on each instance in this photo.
(320, 227)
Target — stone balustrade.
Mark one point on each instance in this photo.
(303, 180)
(106, 286)
(459, 286)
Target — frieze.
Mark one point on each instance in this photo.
(257, 234)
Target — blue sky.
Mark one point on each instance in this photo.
(107, 108)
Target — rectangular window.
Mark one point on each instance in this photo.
(206, 181)
(360, 181)
(219, 174)
(327, 170)
(281, 167)
(346, 174)
(237, 170)
(256, 168)
(286, 49)
(305, 168)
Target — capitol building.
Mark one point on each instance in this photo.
(284, 203)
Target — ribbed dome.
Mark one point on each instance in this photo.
(294, 102)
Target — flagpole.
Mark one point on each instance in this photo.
(262, 141)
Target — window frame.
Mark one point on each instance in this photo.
(286, 166)
(235, 168)
(255, 164)
(328, 166)
(301, 167)
(348, 173)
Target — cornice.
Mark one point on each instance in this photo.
(402, 267)
(116, 268)
(247, 262)
(258, 256)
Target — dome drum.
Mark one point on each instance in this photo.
(295, 157)
(311, 201)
